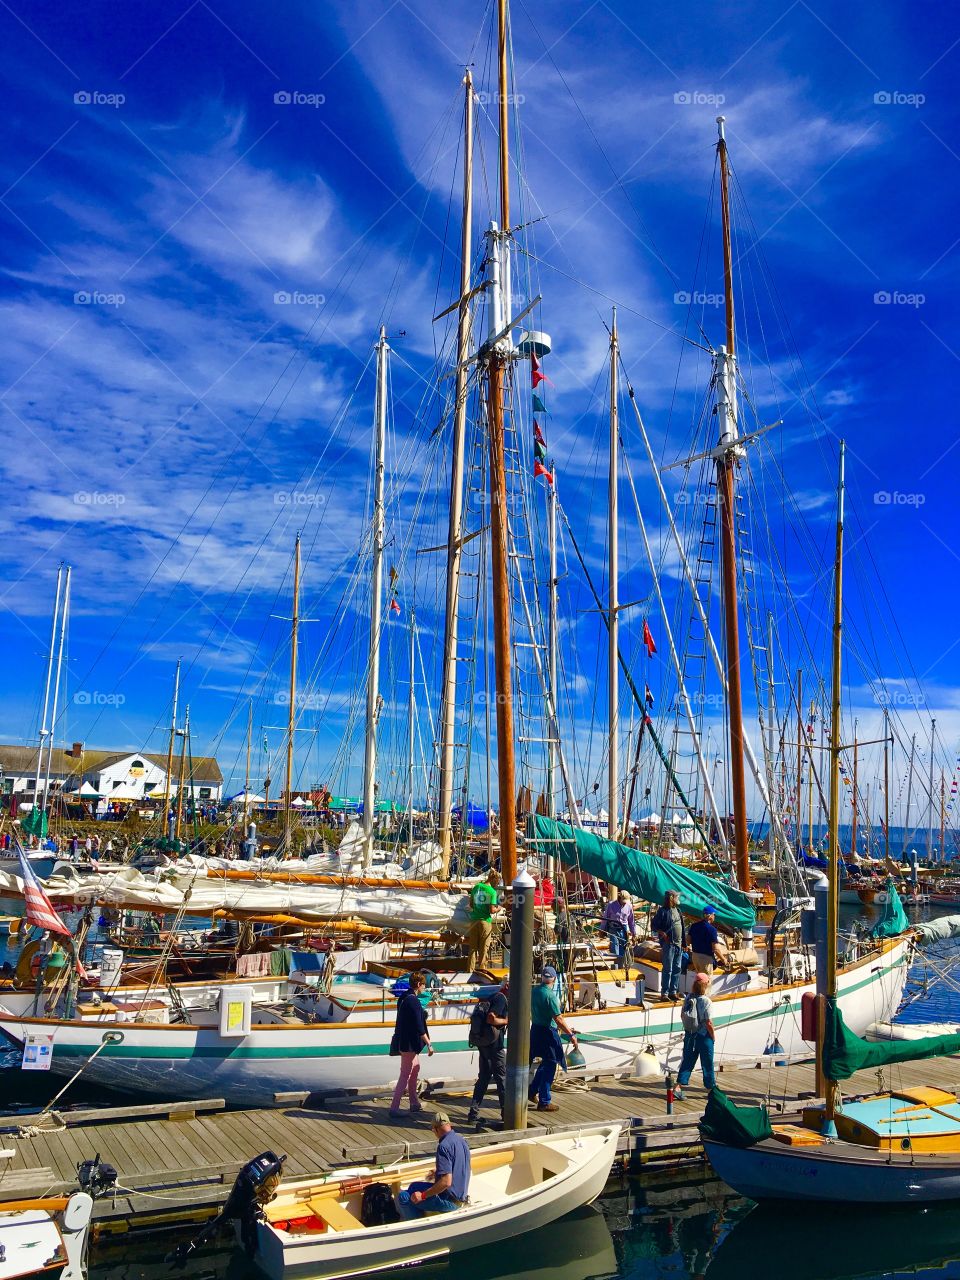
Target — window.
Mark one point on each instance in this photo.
(138, 764)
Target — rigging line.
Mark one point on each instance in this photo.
(620, 305)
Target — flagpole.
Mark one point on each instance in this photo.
(56, 692)
(46, 697)
(455, 527)
(376, 600)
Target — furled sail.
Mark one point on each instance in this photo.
(640, 873)
(845, 1053)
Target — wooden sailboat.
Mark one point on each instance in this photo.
(894, 1147)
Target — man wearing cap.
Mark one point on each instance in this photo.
(492, 1055)
(619, 921)
(698, 1036)
(546, 1016)
(706, 946)
(451, 1176)
(667, 924)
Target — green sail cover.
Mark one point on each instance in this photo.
(893, 919)
(844, 1053)
(35, 823)
(642, 874)
(724, 1121)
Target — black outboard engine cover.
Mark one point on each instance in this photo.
(96, 1177)
(249, 1192)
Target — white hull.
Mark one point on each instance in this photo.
(183, 1060)
(548, 1178)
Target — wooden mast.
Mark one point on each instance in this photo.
(246, 784)
(727, 456)
(455, 527)
(173, 734)
(613, 623)
(376, 601)
(855, 813)
(499, 354)
(292, 712)
(833, 841)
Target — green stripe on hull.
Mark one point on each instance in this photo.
(458, 1046)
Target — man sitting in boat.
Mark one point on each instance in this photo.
(707, 948)
(451, 1177)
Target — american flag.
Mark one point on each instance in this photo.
(40, 910)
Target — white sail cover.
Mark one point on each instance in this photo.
(173, 889)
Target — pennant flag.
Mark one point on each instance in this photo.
(395, 606)
(647, 695)
(39, 908)
(540, 470)
(394, 576)
(536, 373)
(537, 433)
(540, 450)
(648, 639)
(538, 405)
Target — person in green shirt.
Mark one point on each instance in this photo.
(484, 902)
(546, 1016)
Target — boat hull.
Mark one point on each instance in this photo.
(181, 1060)
(835, 1173)
(332, 1254)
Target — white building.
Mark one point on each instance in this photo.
(108, 775)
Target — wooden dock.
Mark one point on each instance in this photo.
(177, 1161)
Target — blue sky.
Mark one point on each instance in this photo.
(170, 419)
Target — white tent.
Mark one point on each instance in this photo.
(298, 802)
(248, 797)
(89, 792)
(650, 819)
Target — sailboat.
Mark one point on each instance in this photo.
(897, 1146)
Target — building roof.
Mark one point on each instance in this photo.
(22, 761)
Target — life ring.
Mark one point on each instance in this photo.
(28, 967)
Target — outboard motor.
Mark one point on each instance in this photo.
(96, 1177)
(256, 1185)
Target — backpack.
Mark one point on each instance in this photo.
(690, 1014)
(377, 1206)
(482, 1035)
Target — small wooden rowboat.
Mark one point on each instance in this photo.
(313, 1228)
(45, 1237)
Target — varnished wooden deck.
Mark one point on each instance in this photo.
(175, 1169)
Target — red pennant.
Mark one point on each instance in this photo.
(536, 377)
(537, 433)
(395, 607)
(648, 639)
(540, 470)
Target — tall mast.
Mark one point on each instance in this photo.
(727, 455)
(886, 787)
(46, 693)
(809, 740)
(64, 610)
(799, 787)
(411, 730)
(170, 744)
(906, 816)
(183, 771)
(933, 739)
(246, 783)
(376, 599)
(833, 843)
(613, 626)
(455, 527)
(856, 808)
(499, 352)
(292, 710)
(943, 816)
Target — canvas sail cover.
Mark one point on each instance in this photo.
(725, 1121)
(844, 1053)
(893, 919)
(642, 874)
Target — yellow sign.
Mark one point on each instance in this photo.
(235, 1011)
